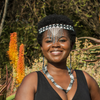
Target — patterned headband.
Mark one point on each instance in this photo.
(67, 27)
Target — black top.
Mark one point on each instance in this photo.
(46, 92)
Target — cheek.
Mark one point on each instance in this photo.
(66, 46)
(45, 47)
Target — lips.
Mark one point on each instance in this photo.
(56, 52)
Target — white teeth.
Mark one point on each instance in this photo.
(56, 51)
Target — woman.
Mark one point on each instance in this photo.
(55, 81)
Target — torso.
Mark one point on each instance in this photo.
(63, 81)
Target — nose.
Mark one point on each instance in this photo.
(56, 44)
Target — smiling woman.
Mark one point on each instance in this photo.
(56, 36)
(58, 50)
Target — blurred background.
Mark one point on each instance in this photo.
(22, 16)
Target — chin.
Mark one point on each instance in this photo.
(57, 60)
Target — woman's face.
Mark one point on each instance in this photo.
(58, 51)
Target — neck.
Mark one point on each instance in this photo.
(57, 68)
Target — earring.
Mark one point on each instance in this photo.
(70, 62)
(43, 63)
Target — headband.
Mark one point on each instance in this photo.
(64, 26)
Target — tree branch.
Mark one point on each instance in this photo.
(3, 18)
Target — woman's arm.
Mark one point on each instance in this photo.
(27, 88)
(93, 87)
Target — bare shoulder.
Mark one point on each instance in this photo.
(30, 78)
(93, 86)
(90, 80)
(27, 88)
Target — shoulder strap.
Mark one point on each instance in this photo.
(80, 76)
(82, 88)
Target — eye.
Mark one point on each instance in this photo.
(62, 40)
(48, 41)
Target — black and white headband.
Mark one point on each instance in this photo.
(64, 26)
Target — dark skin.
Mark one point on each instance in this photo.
(56, 55)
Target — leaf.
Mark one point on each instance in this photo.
(11, 97)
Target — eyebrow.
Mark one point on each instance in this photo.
(47, 37)
(59, 37)
(63, 36)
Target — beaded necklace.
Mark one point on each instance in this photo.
(45, 71)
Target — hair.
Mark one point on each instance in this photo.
(56, 19)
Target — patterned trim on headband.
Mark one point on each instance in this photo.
(64, 26)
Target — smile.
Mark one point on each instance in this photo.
(56, 52)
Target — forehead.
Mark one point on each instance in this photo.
(65, 33)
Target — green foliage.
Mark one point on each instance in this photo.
(25, 15)
(86, 57)
(2, 97)
(11, 97)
